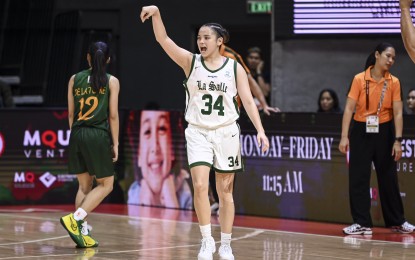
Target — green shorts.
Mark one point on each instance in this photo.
(90, 151)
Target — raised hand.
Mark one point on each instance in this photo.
(147, 12)
(405, 4)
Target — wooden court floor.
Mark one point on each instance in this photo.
(134, 232)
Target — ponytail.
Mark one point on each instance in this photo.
(371, 60)
(99, 53)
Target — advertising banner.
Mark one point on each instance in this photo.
(33, 157)
(301, 176)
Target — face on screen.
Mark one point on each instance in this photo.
(155, 152)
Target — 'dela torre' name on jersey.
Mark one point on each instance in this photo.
(80, 91)
(212, 86)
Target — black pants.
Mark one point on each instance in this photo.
(365, 148)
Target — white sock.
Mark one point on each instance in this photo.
(206, 231)
(225, 239)
(79, 214)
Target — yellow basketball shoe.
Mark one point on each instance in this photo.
(88, 241)
(73, 227)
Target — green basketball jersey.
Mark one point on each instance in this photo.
(91, 108)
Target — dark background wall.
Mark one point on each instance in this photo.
(302, 68)
(146, 73)
(44, 42)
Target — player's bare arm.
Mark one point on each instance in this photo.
(114, 121)
(180, 56)
(71, 106)
(250, 107)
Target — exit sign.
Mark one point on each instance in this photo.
(259, 7)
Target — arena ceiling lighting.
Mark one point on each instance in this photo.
(302, 17)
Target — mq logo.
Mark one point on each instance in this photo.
(46, 144)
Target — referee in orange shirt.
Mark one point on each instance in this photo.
(376, 137)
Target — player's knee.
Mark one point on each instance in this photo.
(200, 187)
(226, 197)
(106, 183)
(109, 186)
(85, 188)
(224, 188)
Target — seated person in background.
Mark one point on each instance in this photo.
(256, 65)
(410, 102)
(328, 102)
(253, 84)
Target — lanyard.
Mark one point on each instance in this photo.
(382, 95)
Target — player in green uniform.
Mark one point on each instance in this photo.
(92, 106)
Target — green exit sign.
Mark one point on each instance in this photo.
(259, 7)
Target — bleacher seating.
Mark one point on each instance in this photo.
(64, 52)
(26, 33)
(40, 47)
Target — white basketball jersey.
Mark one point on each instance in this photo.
(211, 95)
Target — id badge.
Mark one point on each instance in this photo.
(372, 124)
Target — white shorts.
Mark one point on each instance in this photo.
(220, 148)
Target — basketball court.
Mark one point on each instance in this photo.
(135, 232)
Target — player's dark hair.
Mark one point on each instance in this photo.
(219, 30)
(99, 52)
(371, 60)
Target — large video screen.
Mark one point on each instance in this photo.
(330, 17)
(303, 175)
(155, 166)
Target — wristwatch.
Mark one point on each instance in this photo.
(398, 139)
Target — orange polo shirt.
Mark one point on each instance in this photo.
(357, 92)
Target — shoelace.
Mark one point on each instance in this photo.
(226, 249)
(205, 246)
(84, 230)
(354, 227)
(408, 226)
